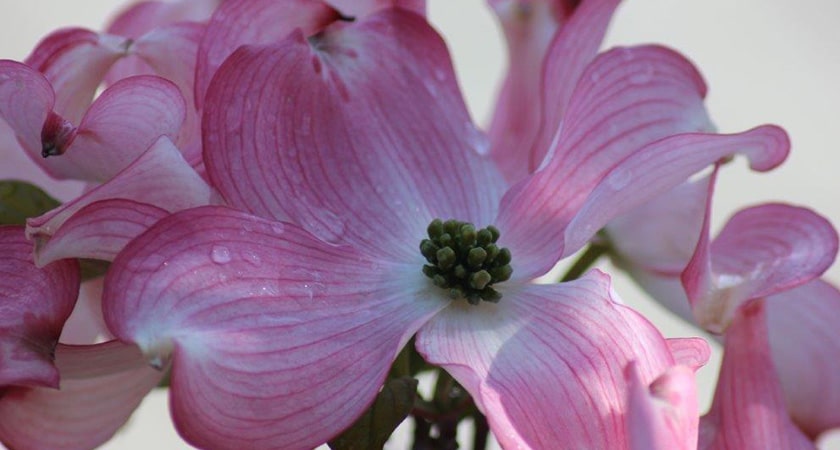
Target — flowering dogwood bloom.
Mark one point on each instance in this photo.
(550, 43)
(774, 252)
(98, 385)
(749, 408)
(139, 116)
(282, 319)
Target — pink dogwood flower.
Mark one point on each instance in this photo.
(124, 141)
(748, 410)
(664, 415)
(56, 395)
(774, 252)
(282, 319)
(549, 43)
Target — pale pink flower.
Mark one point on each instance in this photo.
(549, 44)
(281, 321)
(98, 385)
(774, 252)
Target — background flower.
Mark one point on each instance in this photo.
(754, 55)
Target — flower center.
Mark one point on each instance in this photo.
(465, 261)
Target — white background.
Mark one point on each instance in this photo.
(765, 61)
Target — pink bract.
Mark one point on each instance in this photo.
(772, 251)
(282, 319)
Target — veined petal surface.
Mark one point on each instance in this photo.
(277, 339)
(119, 126)
(761, 251)
(34, 304)
(359, 8)
(239, 22)
(98, 231)
(665, 164)
(664, 415)
(529, 27)
(748, 411)
(142, 17)
(101, 385)
(660, 236)
(26, 98)
(75, 61)
(549, 43)
(325, 121)
(626, 99)
(159, 177)
(803, 333)
(546, 363)
(571, 50)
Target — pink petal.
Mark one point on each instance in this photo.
(544, 65)
(75, 61)
(761, 251)
(283, 121)
(238, 22)
(690, 352)
(802, 327)
(626, 99)
(664, 416)
(660, 235)
(546, 363)
(34, 303)
(130, 115)
(529, 29)
(360, 8)
(748, 409)
(159, 177)
(277, 339)
(142, 17)
(90, 406)
(569, 55)
(170, 52)
(665, 164)
(98, 231)
(17, 165)
(86, 325)
(26, 99)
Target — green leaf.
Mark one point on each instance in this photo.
(20, 200)
(375, 426)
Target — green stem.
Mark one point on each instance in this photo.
(402, 364)
(482, 430)
(585, 261)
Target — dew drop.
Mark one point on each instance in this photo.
(220, 254)
(618, 179)
(278, 227)
(432, 89)
(477, 139)
(440, 74)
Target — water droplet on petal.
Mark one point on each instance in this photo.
(278, 227)
(477, 139)
(220, 254)
(618, 179)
